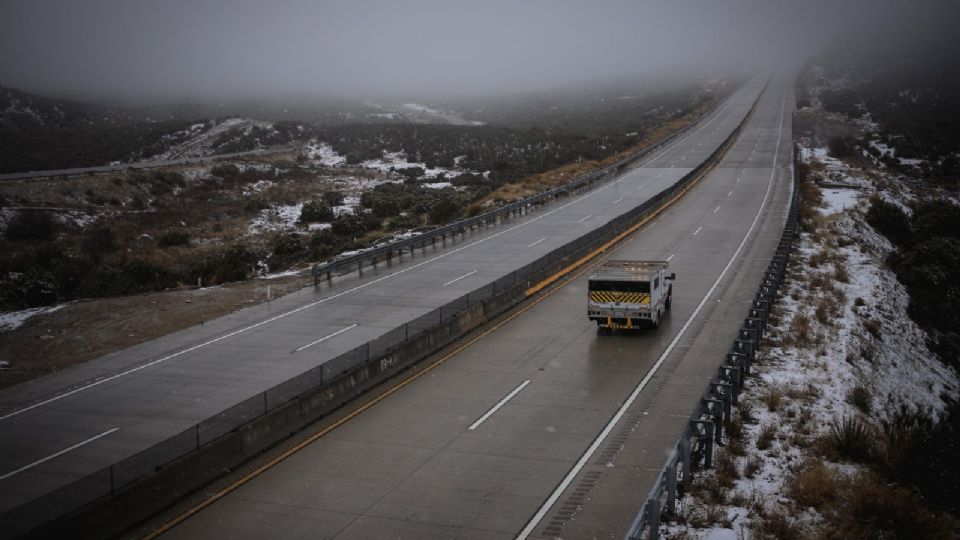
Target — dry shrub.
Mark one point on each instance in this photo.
(868, 352)
(853, 438)
(772, 397)
(819, 258)
(745, 411)
(726, 469)
(860, 398)
(766, 436)
(801, 330)
(873, 327)
(752, 466)
(814, 485)
(824, 309)
(870, 508)
(840, 273)
(735, 428)
(859, 302)
(776, 524)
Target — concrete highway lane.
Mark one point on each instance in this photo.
(70, 424)
(542, 427)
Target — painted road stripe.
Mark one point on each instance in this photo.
(538, 517)
(496, 407)
(581, 220)
(618, 200)
(729, 193)
(454, 280)
(537, 242)
(670, 258)
(696, 232)
(324, 338)
(58, 454)
(715, 209)
(358, 287)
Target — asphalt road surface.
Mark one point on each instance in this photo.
(543, 428)
(411, 466)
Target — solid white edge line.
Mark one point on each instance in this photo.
(79, 389)
(58, 454)
(324, 338)
(535, 520)
(499, 404)
(454, 280)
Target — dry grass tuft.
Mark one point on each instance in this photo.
(772, 397)
(814, 485)
(768, 433)
(853, 438)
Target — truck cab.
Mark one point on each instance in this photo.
(629, 294)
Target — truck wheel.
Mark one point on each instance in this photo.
(669, 297)
(656, 322)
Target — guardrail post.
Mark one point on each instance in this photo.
(715, 409)
(685, 461)
(654, 518)
(725, 391)
(672, 489)
(705, 437)
(732, 374)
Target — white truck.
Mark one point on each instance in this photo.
(629, 294)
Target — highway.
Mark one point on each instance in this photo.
(412, 465)
(543, 428)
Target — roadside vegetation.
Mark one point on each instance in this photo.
(132, 232)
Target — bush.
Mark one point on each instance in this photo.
(31, 225)
(236, 263)
(842, 147)
(443, 211)
(34, 288)
(316, 210)
(99, 242)
(354, 225)
(860, 398)
(936, 218)
(173, 238)
(889, 220)
(333, 198)
(255, 203)
(853, 439)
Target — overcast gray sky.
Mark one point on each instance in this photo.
(242, 48)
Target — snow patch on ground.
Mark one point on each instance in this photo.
(398, 161)
(276, 218)
(324, 154)
(11, 320)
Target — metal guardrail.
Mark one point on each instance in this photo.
(518, 208)
(303, 389)
(694, 450)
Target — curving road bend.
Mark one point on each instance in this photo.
(543, 428)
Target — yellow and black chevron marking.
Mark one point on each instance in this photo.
(621, 297)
